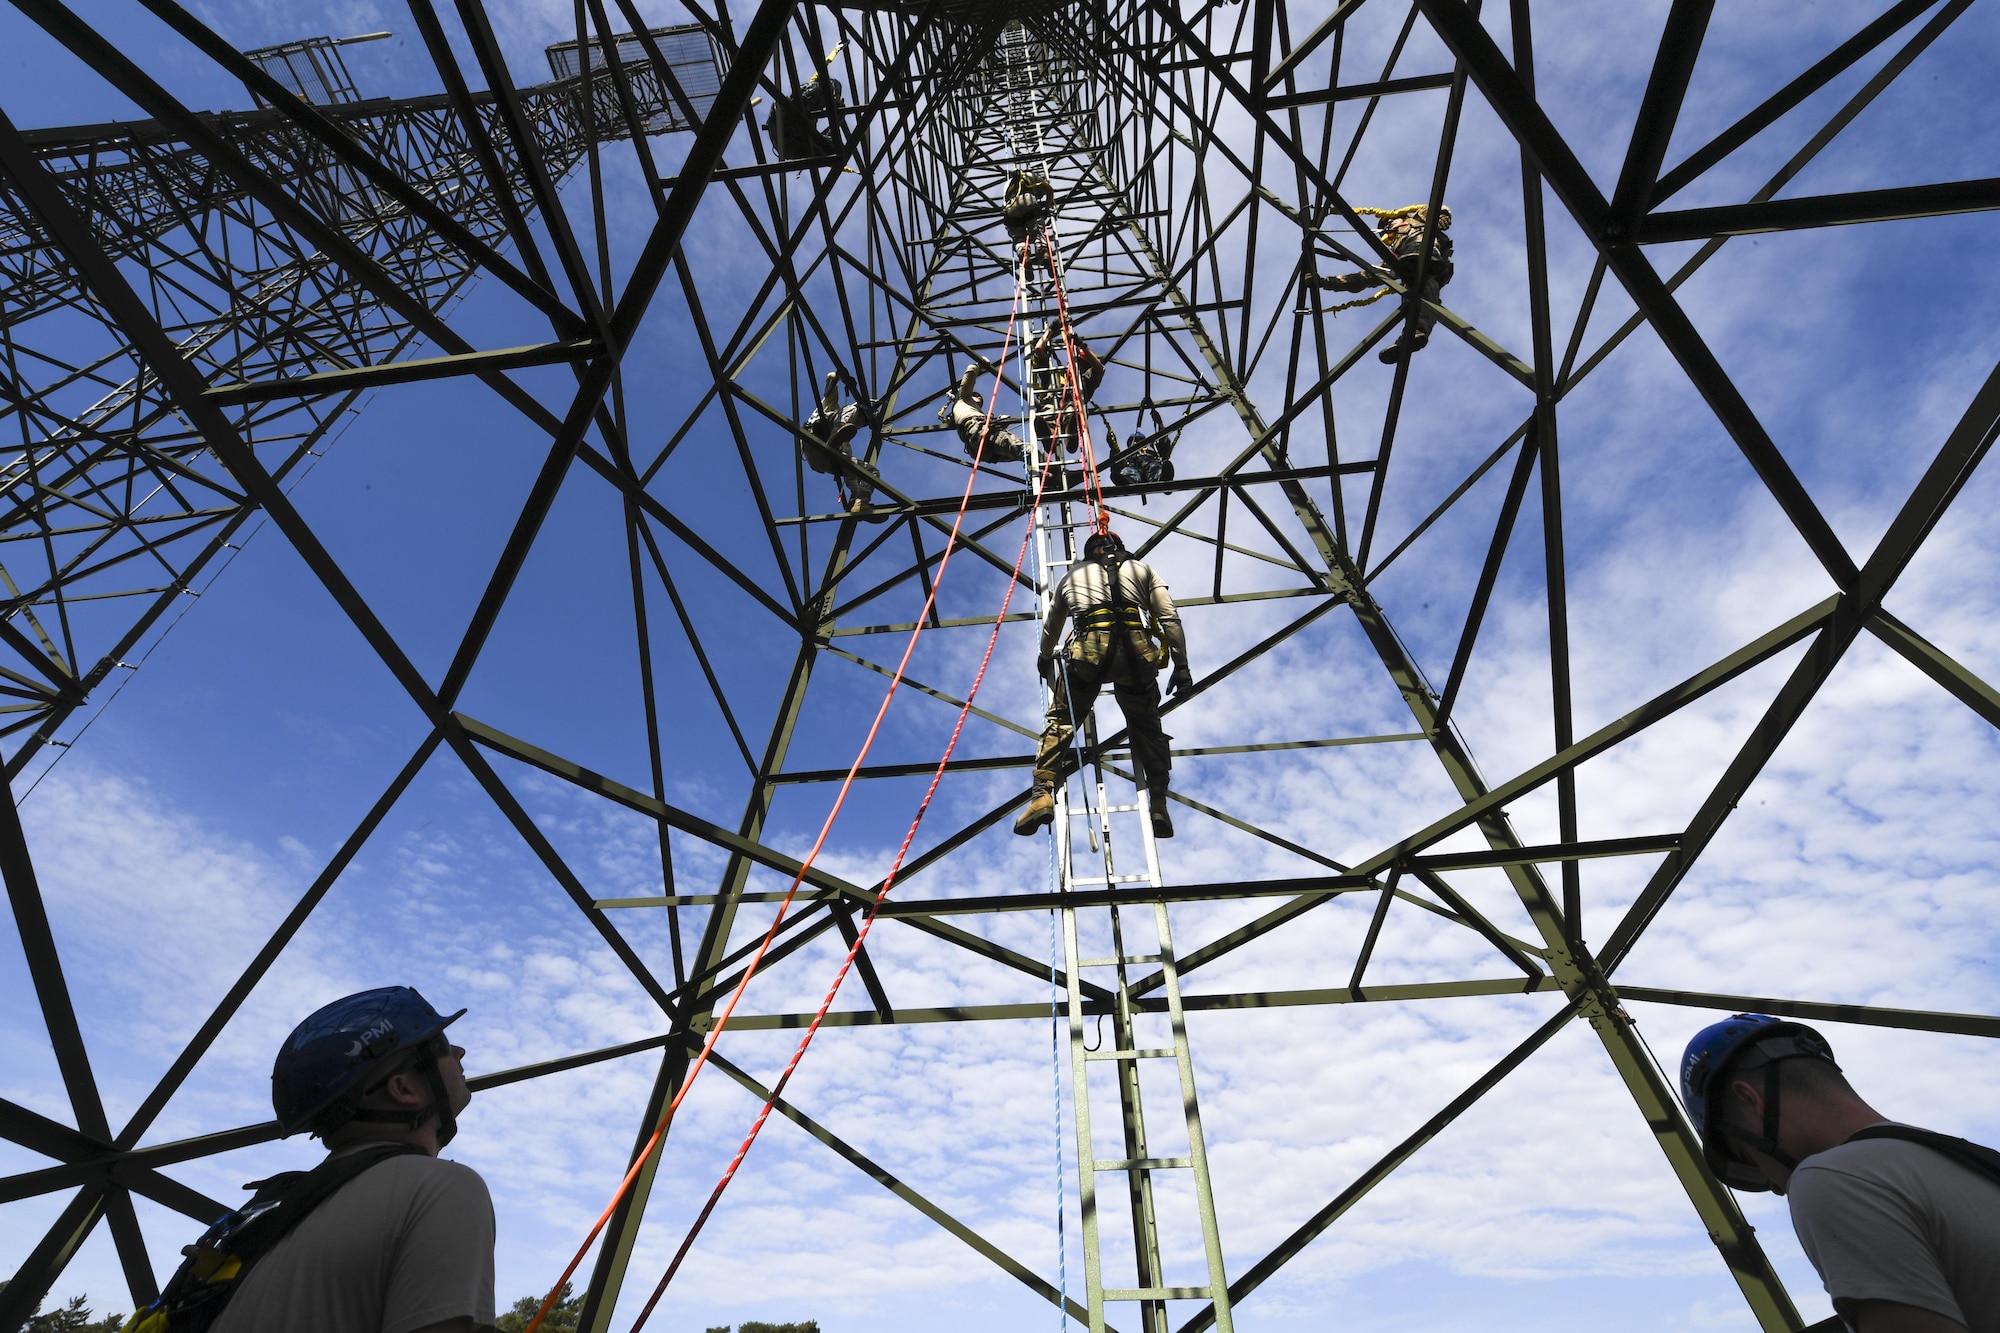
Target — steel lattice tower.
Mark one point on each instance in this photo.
(248, 279)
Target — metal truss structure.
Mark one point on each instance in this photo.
(241, 282)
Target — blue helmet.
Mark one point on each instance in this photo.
(321, 1070)
(1737, 1045)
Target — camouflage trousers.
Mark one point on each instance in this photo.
(1374, 277)
(1137, 689)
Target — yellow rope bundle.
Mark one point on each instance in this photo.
(1366, 300)
(1407, 211)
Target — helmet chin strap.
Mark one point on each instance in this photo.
(1767, 1142)
(416, 1118)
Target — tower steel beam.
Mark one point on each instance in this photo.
(247, 280)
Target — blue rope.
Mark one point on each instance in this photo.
(1055, 1070)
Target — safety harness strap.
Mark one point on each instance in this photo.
(1107, 617)
(1977, 1156)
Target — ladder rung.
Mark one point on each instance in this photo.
(1142, 1164)
(1117, 809)
(1158, 1053)
(1156, 1293)
(1113, 962)
(1115, 879)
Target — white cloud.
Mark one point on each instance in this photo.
(1860, 867)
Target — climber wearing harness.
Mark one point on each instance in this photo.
(1105, 599)
(1402, 231)
(1089, 374)
(826, 441)
(381, 1234)
(1903, 1224)
(1029, 201)
(965, 411)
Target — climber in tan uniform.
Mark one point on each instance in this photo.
(1402, 232)
(1053, 404)
(826, 440)
(964, 410)
(1106, 600)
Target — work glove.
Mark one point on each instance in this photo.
(1045, 667)
(1181, 682)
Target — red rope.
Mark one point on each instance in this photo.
(1073, 388)
(757, 959)
(888, 880)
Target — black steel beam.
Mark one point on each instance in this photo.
(1551, 852)
(1909, 1020)
(1659, 109)
(1361, 92)
(1824, 210)
(1529, 125)
(1768, 112)
(1939, 665)
(349, 378)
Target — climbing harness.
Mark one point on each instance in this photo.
(217, 1263)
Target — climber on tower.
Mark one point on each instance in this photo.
(1062, 425)
(1402, 231)
(827, 442)
(965, 410)
(1029, 201)
(1105, 599)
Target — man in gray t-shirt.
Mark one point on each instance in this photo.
(1886, 1221)
(407, 1245)
(1902, 1224)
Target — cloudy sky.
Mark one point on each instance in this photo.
(1859, 868)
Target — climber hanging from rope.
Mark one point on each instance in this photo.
(965, 410)
(1402, 231)
(826, 441)
(793, 122)
(1053, 404)
(1147, 457)
(1106, 600)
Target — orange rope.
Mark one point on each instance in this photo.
(722, 1021)
(1073, 389)
(861, 935)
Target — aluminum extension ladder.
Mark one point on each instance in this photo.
(1116, 850)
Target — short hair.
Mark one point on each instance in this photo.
(1812, 1078)
(1800, 1076)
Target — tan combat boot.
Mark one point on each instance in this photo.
(1041, 813)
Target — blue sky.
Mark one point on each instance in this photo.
(1860, 867)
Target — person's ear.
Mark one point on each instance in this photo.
(405, 1088)
(1748, 1096)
